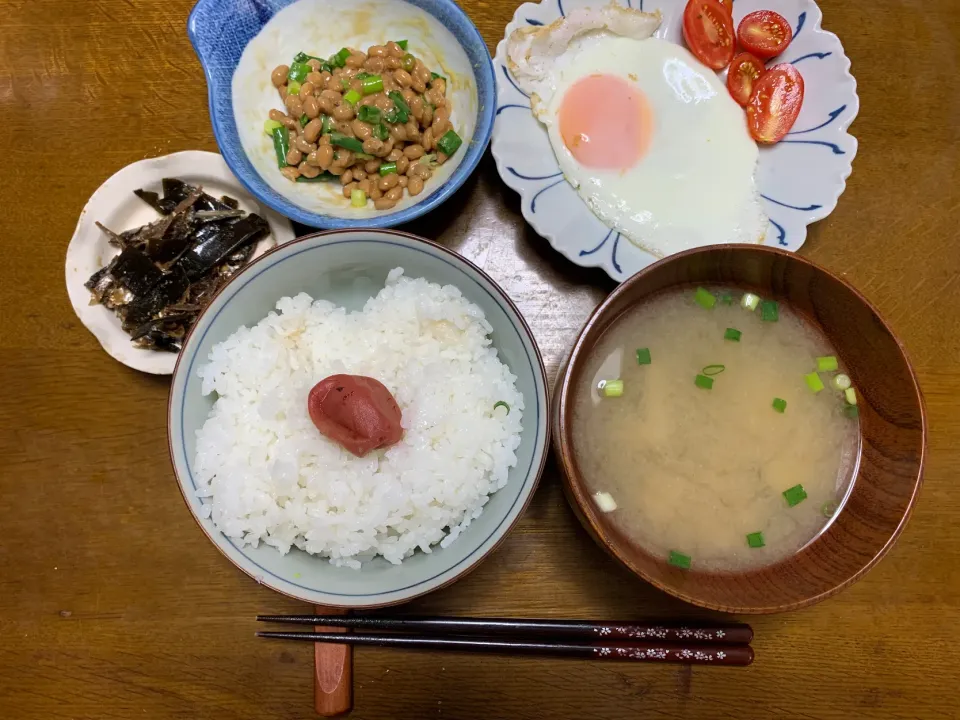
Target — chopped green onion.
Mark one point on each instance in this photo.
(340, 59)
(726, 298)
(841, 381)
(851, 411)
(281, 144)
(270, 125)
(643, 356)
(363, 75)
(605, 502)
(501, 403)
(344, 84)
(612, 388)
(704, 298)
(828, 363)
(371, 84)
(302, 57)
(363, 156)
(380, 132)
(327, 125)
(779, 404)
(795, 495)
(813, 382)
(358, 198)
(732, 334)
(402, 44)
(401, 111)
(430, 160)
(299, 71)
(713, 369)
(755, 540)
(679, 560)
(352, 96)
(293, 88)
(408, 62)
(369, 114)
(347, 143)
(769, 311)
(828, 509)
(304, 120)
(437, 76)
(850, 395)
(703, 382)
(449, 143)
(322, 177)
(750, 301)
(387, 168)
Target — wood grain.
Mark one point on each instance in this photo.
(112, 603)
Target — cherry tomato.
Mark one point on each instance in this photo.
(775, 103)
(764, 33)
(743, 74)
(708, 31)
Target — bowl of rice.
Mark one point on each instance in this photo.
(292, 508)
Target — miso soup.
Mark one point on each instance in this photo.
(718, 430)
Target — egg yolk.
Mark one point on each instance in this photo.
(605, 122)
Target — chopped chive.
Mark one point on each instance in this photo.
(402, 44)
(851, 411)
(643, 356)
(795, 495)
(304, 120)
(322, 177)
(755, 540)
(327, 125)
(402, 110)
(828, 509)
(302, 57)
(704, 298)
(605, 502)
(814, 382)
(363, 75)
(850, 395)
(679, 560)
(352, 96)
(750, 301)
(371, 84)
(612, 388)
(841, 381)
(713, 369)
(732, 334)
(347, 143)
(358, 198)
(501, 403)
(299, 71)
(726, 298)
(449, 143)
(293, 88)
(281, 145)
(270, 125)
(369, 114)
(779, 404)
(340, 59)
(436, 76)
(387, 168)
(769, 311)
(408, 62)
(380, 132)
(704, 382)
(363, 156)
(827, 363)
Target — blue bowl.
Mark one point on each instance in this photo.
(221, 30)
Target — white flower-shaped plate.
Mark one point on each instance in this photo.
(115, 205)
(800, 178)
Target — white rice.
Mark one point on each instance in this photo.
(265, 472)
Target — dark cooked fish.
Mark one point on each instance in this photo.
(175, 192)
(217, 246)
(135, 271)
(166, 291)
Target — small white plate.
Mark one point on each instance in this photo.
(800, 178)
(116, 207)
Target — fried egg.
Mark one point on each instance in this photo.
(648, 136)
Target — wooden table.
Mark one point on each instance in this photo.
(112, 603)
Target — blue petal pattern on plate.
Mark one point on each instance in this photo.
(800, 178)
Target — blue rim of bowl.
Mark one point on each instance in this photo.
(248, 176)
(469, 562)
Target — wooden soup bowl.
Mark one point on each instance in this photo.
(892, 423)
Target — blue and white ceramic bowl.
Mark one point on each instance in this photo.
(346, 267)
(799, 178)
(239, 42)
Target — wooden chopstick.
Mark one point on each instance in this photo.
(734, 634)
(632, 651)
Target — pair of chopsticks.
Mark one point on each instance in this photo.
(708, 645)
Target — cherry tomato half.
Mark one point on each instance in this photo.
(708, 31)
(764, 33)
(775, 103)
(743, 74)
(728, 5)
